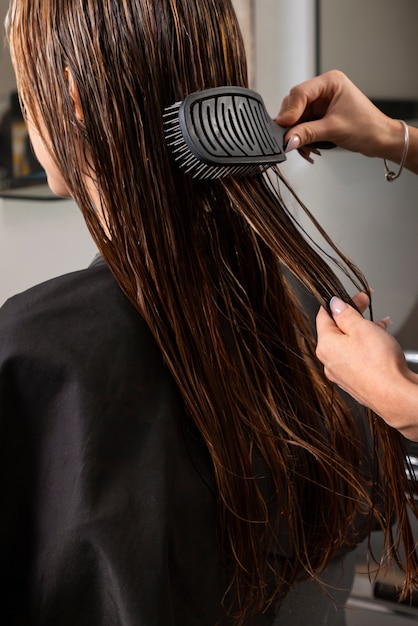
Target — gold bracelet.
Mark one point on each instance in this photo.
(391, 176)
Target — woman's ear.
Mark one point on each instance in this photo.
(74, 95)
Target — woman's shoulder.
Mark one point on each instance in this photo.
(71, 295)
(58, 292)
(72, 315)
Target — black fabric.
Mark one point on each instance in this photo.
(107, 519)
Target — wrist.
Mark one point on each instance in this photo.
(390, 174)
(391, 144)
(399, 405)
(393, 141)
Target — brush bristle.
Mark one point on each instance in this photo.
(191, 164)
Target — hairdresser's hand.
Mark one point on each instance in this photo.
(331, 108)
(368, 363)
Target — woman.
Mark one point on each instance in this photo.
(357, 354)
(176, 456)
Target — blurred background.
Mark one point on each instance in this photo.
(374, 222)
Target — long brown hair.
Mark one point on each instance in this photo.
(207, 264)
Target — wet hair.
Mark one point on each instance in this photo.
(211, 266)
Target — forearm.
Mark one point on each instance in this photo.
(397, 404)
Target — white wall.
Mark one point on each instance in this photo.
(40, 240)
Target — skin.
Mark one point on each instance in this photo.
(54, 177)
(357, 354)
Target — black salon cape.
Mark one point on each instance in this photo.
(107, 516)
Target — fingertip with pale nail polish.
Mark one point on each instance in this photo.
(292, 144)
(337, 305)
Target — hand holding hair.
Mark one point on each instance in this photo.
(368, 363)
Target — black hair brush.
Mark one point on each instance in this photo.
(224, 131)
